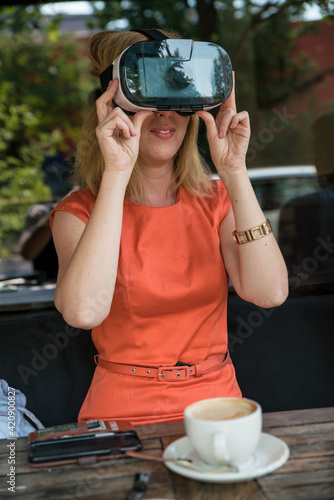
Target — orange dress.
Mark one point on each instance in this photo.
(169, 305)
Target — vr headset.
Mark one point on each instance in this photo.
(163, 74)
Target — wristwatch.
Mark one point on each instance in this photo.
(255, 233)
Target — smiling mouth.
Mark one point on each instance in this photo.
(159, 131)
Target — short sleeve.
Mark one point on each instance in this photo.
(79, 203)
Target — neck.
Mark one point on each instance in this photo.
(156, 183)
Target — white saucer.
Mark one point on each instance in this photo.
(270, 454)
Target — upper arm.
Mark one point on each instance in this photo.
(229, 249)
(67, 231)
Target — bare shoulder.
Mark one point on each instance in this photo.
(65, 223)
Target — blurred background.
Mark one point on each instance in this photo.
(282, 55)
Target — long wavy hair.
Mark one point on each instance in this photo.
(190, 169)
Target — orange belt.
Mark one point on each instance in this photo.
(170, 373)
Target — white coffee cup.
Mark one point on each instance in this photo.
(224, 430)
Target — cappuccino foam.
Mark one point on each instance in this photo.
(222, 410)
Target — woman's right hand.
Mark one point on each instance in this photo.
(118, 134)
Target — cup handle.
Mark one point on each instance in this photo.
(220, 447)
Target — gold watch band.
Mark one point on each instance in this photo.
(255, 233)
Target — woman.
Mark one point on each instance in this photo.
(145, 251)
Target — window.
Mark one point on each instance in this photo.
(284, 78)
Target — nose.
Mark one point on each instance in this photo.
(167, 113)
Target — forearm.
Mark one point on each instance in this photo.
(89, 261)
(85, 289)
(262, 275)
(257, 268)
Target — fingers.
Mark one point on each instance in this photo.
(114, 118)
(230, 120)
(225, 120)
(139, 118)
(117, 121)
(104, 102)
(210, 123)
(242, 117)
(227, 116)
(230, 101)
(229, 106)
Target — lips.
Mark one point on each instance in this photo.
(163, 132)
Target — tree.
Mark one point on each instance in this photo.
(260, 40)
(238, 27)
(41, 108)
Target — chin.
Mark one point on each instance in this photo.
(158, 156)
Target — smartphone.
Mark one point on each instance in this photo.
(83, 442)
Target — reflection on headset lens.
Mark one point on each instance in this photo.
(178, 74)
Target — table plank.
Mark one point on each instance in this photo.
(298, 417)
(88, 482)
(292, 479)
(307, 440)
(308, 464)
(196, 490)
(161, 430)
(301, 492)
(303, 433)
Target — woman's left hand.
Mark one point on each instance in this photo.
(228, 136)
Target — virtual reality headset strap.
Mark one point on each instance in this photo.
(107, 75)
(153, 34)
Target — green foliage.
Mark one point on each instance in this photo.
(44, 82)
(22, 149)
(279, 70)
(113, 14)
(260, 40)
(43, 100)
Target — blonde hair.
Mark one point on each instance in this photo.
(190, 170)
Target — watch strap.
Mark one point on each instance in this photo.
(255, 233)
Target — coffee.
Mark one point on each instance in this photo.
(226, 409)
(224, 430)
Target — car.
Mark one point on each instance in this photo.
(274, 186)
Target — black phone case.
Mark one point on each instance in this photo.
(84, 448)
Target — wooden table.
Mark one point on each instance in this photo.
(308, 474)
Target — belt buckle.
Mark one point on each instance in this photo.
(180, 373)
